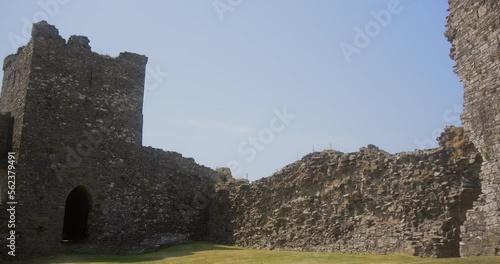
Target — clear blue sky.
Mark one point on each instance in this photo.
(219, 70)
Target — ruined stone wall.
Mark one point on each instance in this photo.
(473, 28)
(364, 202)
(78, 124)
(146, 200)
(142, 199)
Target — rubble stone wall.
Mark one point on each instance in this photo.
(364, 202)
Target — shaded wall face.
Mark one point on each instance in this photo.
(76, 104)
(14, 87)
(79, 123)
(79, 118)
(473, 28)
(12, 101)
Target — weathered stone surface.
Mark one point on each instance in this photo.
(473, 28)
(364, 202)
(78, 124)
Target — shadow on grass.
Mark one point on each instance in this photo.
(161, 254)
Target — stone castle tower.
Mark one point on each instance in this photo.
(74, 120)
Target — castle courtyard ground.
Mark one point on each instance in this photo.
(213, 253)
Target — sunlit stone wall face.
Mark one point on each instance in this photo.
(473, 28)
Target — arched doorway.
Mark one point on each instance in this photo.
(78, 205)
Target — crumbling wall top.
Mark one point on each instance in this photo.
(44, 29)
(80, 41)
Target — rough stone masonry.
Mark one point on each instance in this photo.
(85, 182)
(363, 202)
(473, 28)
(74, 119)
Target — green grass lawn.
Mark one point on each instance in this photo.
(212, 253)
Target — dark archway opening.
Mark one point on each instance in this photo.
(78, 205)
